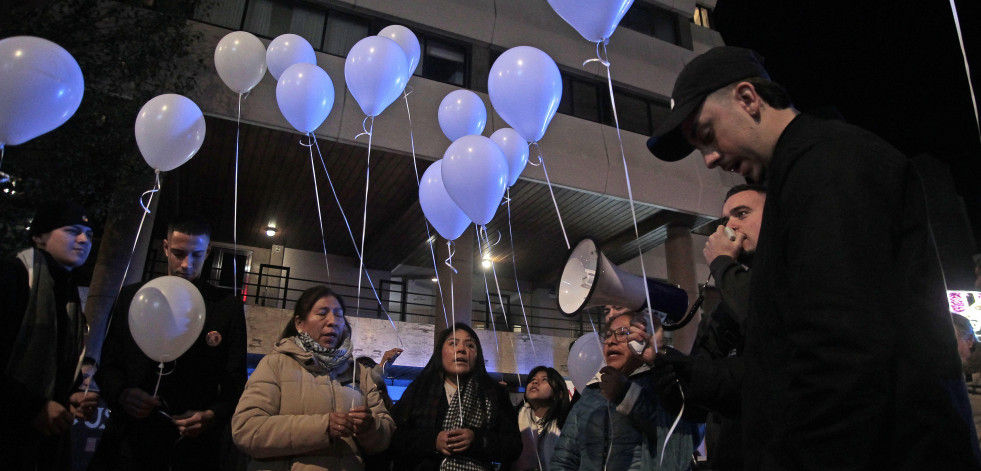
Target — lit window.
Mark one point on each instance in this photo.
(701, 17)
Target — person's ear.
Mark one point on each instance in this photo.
(748, 99)
(207, 252)
(39, 241)
(166, 247)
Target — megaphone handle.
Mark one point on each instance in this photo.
(691, 312)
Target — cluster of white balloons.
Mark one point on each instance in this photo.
(467, 185)
(41, 86)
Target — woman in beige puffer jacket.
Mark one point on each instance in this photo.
(300, 410)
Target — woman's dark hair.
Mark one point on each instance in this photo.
(305, 304)
(558, 410)
(422, 395)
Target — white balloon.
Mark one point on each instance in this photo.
(585, 359)
(515, 150)
(166, 317)
(305, 95)
(240, 59)
(407, 40)
(286, 50)
(41, 87)
(475, 175)
(525, 88)
(595, 20)
(448, 219)
(375, 73)
(169, 130)
(462, 113)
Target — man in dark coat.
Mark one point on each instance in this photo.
(850, 359)
(41, 344)
(182, 425)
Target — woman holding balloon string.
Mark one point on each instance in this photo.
(302, 409)
(454, 416)
(541, 417)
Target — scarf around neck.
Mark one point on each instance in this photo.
(329, 358)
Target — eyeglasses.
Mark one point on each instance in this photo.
(619, 334)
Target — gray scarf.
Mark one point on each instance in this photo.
(329, 358)
(34, 358)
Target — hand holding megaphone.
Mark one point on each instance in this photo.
(724, 241)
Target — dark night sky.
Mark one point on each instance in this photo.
(893, 67)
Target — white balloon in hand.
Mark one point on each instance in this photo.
(166, 317)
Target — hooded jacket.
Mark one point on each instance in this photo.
(283, 418)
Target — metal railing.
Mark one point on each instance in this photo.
(403, 300)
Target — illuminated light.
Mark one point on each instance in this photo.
(434, 279)
(486, 262)
(270, 231)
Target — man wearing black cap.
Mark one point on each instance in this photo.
(42, 341)
(182, 426)
(850, 361)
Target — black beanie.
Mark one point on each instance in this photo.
(59, 213)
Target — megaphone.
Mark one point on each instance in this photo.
(589, 279)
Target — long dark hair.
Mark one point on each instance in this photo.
(305, 304)
(421, 396)
(558, 410)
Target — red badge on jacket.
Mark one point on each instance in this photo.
(213, 339)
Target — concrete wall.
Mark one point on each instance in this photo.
(372, 337)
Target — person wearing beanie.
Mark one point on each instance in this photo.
(850, 361)
(42, 341)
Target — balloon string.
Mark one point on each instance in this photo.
(364, 217)
(490, 306)
(541, 162)
(674, 425)
(449, 260)
(160, 375)
(630, 192)
(3, 151)
(320, 215)
(364, 126)
(514, 264)
(354, 243)
(415, 167)
(150, 192)
(500, 299)
(238, 134)
(967, 67)
(146, 210)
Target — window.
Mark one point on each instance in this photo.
(585, 100)
(632, 112)
(343, 32)
(652, 21)
(443, 61)
(272, 18)
(701, 17)
(590, 100)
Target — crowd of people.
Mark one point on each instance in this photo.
(830, 348)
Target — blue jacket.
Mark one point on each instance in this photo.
(637, 428)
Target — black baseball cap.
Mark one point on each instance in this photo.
(705, 74)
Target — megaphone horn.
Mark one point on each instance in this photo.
(589, 279)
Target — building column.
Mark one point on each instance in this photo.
(681, 271)
(462, 281)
